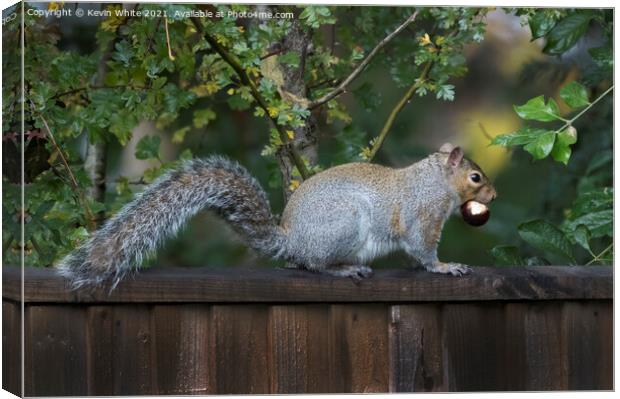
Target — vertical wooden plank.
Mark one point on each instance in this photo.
(515, 351)
(239, 340)
(100, 350)
(298, 342)
(182, 353)
(604, 312)
(358, 348)
(56, 346)
(415, 348)
(12, 348)
(474, 339)
(132, 351)
(544, 347)
(587, 356)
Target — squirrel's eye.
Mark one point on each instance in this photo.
(475, 177)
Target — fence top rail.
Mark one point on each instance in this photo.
(167, 284)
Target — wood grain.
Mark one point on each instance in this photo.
(299, 348)
(182, 352)
(268, 285)
(100, 350)
(588, 351)
(358, 348)
(544, 347)
(132, 351)
(55, 340)
(239, 341)
(474, 340)
(416, 352)
(11, 347)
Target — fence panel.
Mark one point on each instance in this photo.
(192, 331)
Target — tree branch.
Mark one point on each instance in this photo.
(392, 117)
(245, 79)
(83, 88)
(341, 88)
(90, 218)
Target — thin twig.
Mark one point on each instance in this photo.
(392, 117)
(484, 131)
(245, 79)
(342, 86)
(270, 54)
(569, 122)
(597, 258)
(76, 90)
(76, 188)
(168, 39)
(573, 119)
(324, 82)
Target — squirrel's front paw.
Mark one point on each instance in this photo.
(456, 269)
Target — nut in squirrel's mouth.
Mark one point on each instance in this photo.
(476, 208)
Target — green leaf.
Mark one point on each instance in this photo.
(582, 236)
(602, 57)
(542, 145)
(446, 92)
(124, 52)
(595, 200)
(153, 173)
(159, 82)
(523, 136)
(290, 58)
(561, 148)
(546, 237)
(599, 223)
(315, 16)
(567, 32)
(508, 255)
(574, 95)
(203, 116)
(148, 147)
(594, 210)
(536, 109)
(186, 154)
(179, 135)
(122, 186)
(561, 153)
(540, 24)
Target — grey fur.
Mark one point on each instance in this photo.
(336, 222)
(141, 226)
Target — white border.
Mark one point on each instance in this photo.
(486, 3)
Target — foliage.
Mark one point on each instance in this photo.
(588, 222)
(187, 75)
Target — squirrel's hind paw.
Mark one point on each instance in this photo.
(455, 269)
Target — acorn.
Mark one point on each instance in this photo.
(475, 213)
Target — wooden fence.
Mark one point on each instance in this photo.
(199, 331)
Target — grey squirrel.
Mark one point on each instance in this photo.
(335, 222)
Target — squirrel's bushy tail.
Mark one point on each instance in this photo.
(157, 213)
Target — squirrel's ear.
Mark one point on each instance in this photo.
(446, 147)
(455, 157)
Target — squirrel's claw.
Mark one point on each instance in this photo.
(355, 272)
(455, 269)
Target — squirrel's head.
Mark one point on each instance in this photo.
(466, 177)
